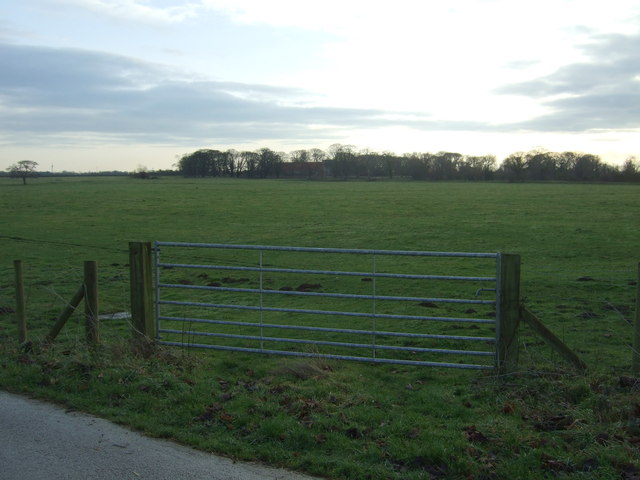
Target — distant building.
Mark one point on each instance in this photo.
(310, 170)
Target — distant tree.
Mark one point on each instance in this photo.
(476, 168)
(298, 156)
(390, 163)
(307, 162)
(416, 165)
(233, 166)
(23, 169)
(514, 167)
(268, 163)
(445, 165)
(317, 155)
(193, 164)
(540, 165)
(249, 161)
(588, 167)
(141, 172)
(342, 159)
(565, 162)
(630, 171)
(203, 163)
(365, 163)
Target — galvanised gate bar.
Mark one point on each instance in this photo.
(380, 306)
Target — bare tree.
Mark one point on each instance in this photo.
(630, 171)
(317, 155)
(299, 156)
(23, 169)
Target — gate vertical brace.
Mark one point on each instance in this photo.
(21, 305)
(636, 336)
(156, 283)
(507, 312)
(373, 337)
(261, 304)
(142, 305)
(92, 322)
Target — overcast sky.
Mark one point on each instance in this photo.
(91, 85)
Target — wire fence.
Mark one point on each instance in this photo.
(589, 307)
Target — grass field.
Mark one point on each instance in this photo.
(579, 248)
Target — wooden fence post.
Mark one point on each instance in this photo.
(91, 301)
(507, 311)
(636, 337)
(142, 305)
(21, 310)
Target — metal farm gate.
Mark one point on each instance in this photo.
(381, 306)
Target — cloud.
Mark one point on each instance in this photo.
(139, 10)
(336, 16)
(63, 92)
(601, 93)
(65, 95)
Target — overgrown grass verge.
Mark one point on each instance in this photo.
(343, 420)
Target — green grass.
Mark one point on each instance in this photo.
(579, 248)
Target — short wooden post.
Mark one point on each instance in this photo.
(636, 338)
(507, 312)
(21, 310)
(91, 301)
(142, 305)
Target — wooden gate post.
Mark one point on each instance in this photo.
(92, 323)
(142, 309)
(636, 337)
(21, 310)
(507, 312)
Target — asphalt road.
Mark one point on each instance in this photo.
(40, 441)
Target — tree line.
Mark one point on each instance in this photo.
(262, 163)
(345, 162)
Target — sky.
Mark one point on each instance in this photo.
(100, 85)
